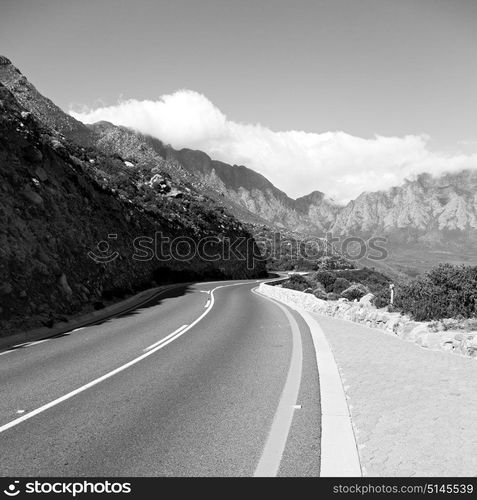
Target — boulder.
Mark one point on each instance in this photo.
(431, 340)
(367, 300)
(33, 197)
(319, 293)
(41, 174)
(473, 342)
(56, 144)
(156, 179)
(414, 330)
(5, 289)
(64, 286)
(175, 193)
(32, 154)
(355, 292)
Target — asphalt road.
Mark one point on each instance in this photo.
(126, 398)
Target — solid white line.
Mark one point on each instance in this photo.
(110, 374)
(29, 344)
(165, 338)
(339, 451)
(207, 303)
(5, 352)
(269, 462)
(37, 342)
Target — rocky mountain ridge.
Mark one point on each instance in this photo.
(311, 214)
(433, 210)
(422, 216)
(426, 212)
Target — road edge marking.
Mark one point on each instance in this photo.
(269, 463)
(339, 450)
(339, 455)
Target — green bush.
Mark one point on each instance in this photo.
(298, 282)
(355, 292)
(376, 282)
(326, 278)
(333, 262)
(332, 296)
(340, 285)
(446, 291)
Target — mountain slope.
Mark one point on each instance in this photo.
(43, 108)
(121, 143)
(58, 201)
(433, 210)
(424, 220)
(311, 214)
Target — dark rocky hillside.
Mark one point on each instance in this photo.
(43, 108)
(58, 200)
(117, 142)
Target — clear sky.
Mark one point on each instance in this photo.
(364, 67)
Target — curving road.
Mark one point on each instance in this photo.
(208, 379)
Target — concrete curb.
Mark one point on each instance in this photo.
(339, 450)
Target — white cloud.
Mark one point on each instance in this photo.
(339, 164)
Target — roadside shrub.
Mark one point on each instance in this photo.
(326, 278)
(297, 282)
(340, 285)
(334, 262)
(332, 296)
(446, 291)
(376, 282)
(464, 324)
(355, 292)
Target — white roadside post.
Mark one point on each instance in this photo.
(391, 287)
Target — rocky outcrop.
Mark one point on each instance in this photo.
(44, 109)
(310, 214)
(423, 334)
(429, 210)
